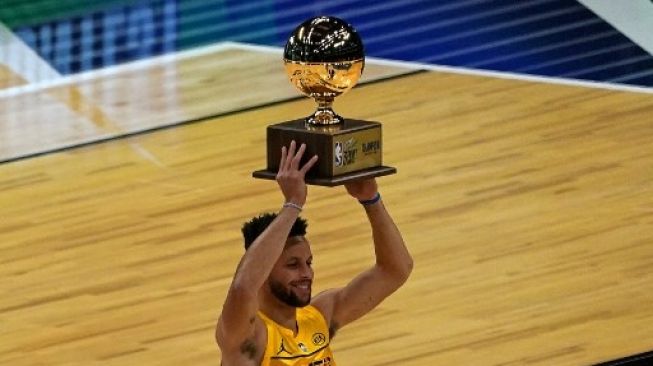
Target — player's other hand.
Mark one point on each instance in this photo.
(362, 190)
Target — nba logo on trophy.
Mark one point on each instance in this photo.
(337, 154)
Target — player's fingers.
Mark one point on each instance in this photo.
(291, 154)
(294, 164)
(309, 164)
(284, 154)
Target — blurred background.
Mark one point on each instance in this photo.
(561, 38)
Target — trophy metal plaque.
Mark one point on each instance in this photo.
(324, 58)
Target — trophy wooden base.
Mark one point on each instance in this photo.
(346, 152)
(336, 180)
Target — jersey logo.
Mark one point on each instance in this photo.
(318, 339)
(323, 362)
(302, 347)
(282, 349)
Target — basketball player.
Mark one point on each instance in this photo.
(269, 317)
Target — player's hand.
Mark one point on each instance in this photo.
(290, 176)
(362, 190)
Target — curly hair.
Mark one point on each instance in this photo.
(254, 227)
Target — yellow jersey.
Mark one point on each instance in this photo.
(309, 348)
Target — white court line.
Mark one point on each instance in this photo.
(201, 51)
(468, 71)
(114, 70)
(516, 76)
(146, 154)
(23, 60)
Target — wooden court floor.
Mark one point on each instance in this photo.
(143, 95)
(528, 208)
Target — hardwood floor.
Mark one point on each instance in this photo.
(527, 208)
(8, 78)
(131, 98)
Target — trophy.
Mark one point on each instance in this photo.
(324, 58)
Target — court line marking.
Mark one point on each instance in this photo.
(133, 133)
(23, 60)
(114, 70)
(106, 123)
(476, 72)
(224, 46)
(411, 68)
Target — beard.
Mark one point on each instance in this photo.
(287, 295)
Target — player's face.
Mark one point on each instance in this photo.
(292, 276)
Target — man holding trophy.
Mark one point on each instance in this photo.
(269, 316)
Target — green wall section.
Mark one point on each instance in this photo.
(20, 13)
(200, 22)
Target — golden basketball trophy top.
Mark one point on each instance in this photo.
(324, 58)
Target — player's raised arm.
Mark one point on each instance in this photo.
(236, 325)
(391, 270)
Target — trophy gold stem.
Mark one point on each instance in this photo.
(324, 115)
